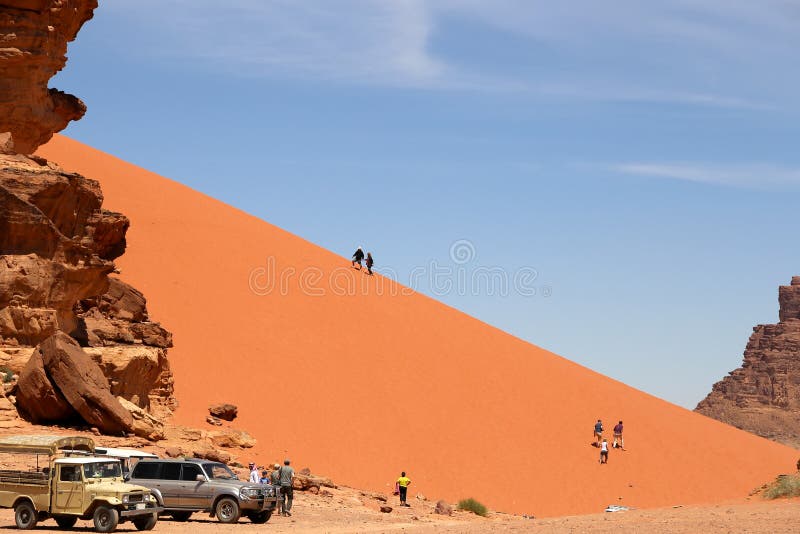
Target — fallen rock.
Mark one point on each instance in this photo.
(213, 455)
(386, 509)
(421, 497)
(79, 379)
(304, 482)
(173, 452)
(231, 437)
(144, 425)
(226, 412)
(9, 418)
(37, 398)
(443, 508)
(211, 420)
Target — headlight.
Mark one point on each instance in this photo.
(249, 493)
(126, 498)
(270, 491)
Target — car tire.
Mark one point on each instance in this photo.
(66, 522)
(25, 515)
(106, 519)
(228, 510)
(146, 522)
(259, 518)
(181, 516)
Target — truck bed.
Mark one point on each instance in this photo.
(24, 478)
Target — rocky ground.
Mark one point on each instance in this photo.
(347, 510)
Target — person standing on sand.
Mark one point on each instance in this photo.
(402, 484)
(264, 477)
(286, 476)
(358, 256)
(604, 452)
(275, 480)
(254, 478)
(618, 436)
(370, 263)
(598, 432)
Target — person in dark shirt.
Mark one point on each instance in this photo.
(358, 257)
(618, 437)
(370, 262)
(598, 432)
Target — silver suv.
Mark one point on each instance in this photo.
(186, 486)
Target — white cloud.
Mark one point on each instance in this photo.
(750, 176)
(709, 53)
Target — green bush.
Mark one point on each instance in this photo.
(471, 505)
(8, 374)
(784, 486)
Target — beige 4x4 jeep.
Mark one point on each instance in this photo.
(68, 488)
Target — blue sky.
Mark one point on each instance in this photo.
(641, 157)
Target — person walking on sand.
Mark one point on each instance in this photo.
(604, 452)
(358, 257)
(254, 478)
(286, 476)
(370, 263)
(618, 437)
(402, 484)
(598, 432)
(275, 480)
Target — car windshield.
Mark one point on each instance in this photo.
(102, 470)
(218, 471)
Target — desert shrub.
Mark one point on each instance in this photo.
(471, 505)
(8, 374)
(784, 486)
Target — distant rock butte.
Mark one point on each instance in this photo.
(763, 395)
(33, 46)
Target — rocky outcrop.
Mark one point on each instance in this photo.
(57, 246)
(61, 381)
(763, 396)
(33, 45)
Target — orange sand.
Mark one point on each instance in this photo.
(359, 387)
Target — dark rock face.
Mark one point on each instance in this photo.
(34, 36)
(763, 396)
(224, 411)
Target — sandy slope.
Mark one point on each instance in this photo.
(360, 386)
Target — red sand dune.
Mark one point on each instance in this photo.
(361, 386)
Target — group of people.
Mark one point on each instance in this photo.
(600, 441)
(358, 257)
(281, 477)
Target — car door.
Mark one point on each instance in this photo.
(69, 489)
(170, 484)
(196, 494)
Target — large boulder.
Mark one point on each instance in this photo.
(144, 424)
(224, 411)
(68, 373)
(37, 397)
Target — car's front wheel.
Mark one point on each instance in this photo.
(228, 510)
(105, 519)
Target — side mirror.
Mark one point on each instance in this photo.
(200, 478)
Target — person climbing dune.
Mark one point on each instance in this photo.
(598, 432)
(358, 257)
(370, 262)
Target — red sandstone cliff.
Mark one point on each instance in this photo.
(763, 395)
(33, 46)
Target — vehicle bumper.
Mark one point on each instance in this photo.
(142, 511)
(259, 505)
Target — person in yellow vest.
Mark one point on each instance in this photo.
(402, 484)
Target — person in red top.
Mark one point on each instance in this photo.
(618, 436)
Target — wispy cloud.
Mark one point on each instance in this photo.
(705, 53)
(750, 176)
